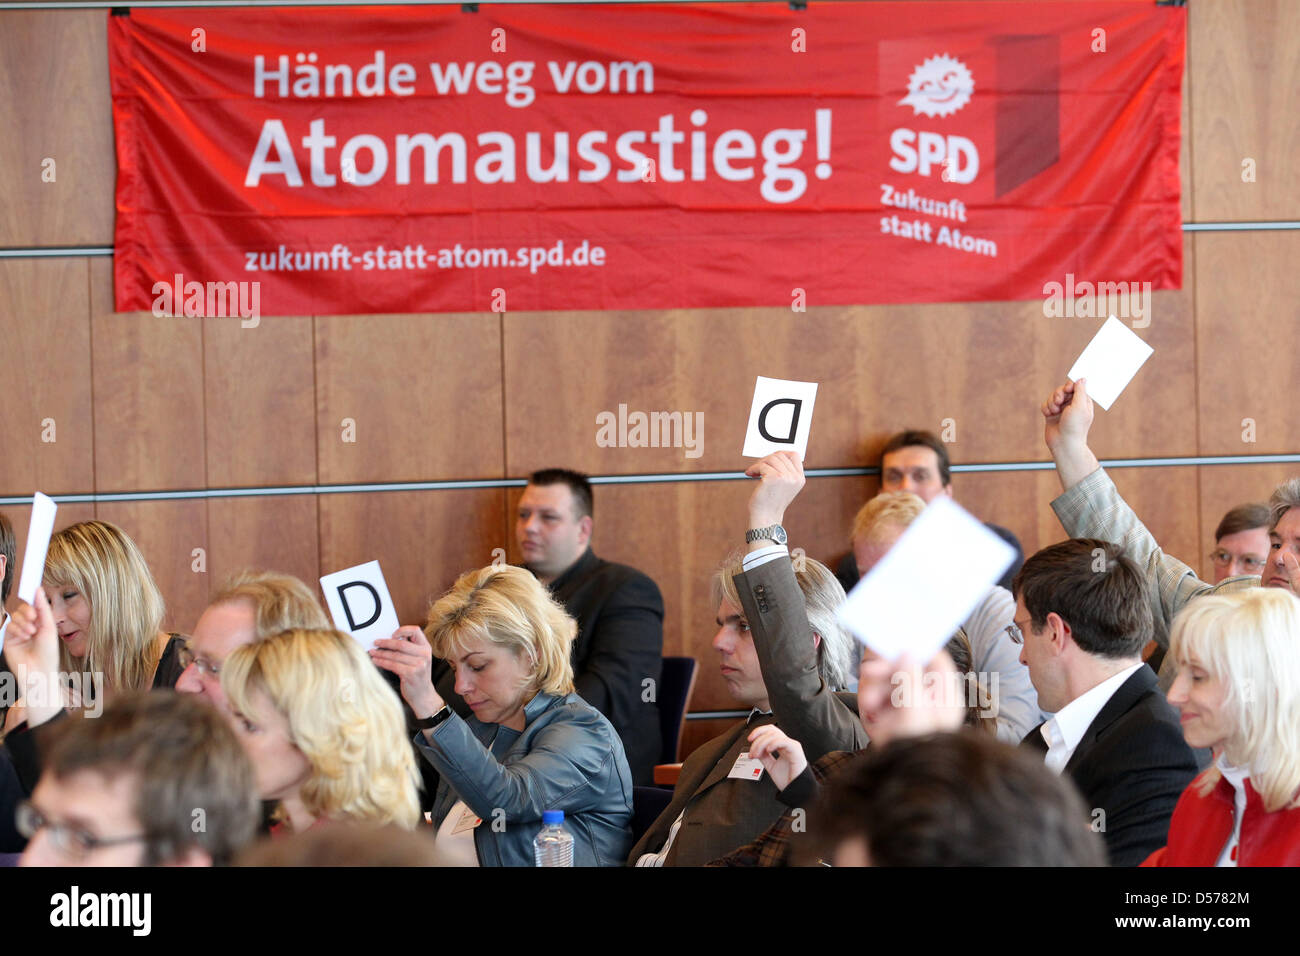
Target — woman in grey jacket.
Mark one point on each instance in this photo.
(532, 744)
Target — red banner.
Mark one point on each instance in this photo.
(642, 157)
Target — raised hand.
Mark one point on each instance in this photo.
(903, 699)
(409, 655)
(780, 477)
(32, 651)
(1068, 415)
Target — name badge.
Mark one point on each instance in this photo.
(467, 821)
(746, 768)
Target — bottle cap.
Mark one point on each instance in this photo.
(552, 816)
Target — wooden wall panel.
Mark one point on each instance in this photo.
(148, 393)
(1165, 499)
(55, 103)
(984, 366)
(1224, 487)
(167, 532)
(1244, 67)
(423, 390)
(45, 331)
(422, 540)
(260, 402)
(1246, 325)
(272, 533)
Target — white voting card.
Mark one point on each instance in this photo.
(780, 417)
(927, 584)
(1110, 361)
(38, 542)
(360, 604)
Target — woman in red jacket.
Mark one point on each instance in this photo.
(1238, 692)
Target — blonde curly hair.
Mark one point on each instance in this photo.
(342, 715)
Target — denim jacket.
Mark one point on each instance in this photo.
(568, 758)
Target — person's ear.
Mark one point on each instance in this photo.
(817, 640)
(947, 489)
(1059, 632)
(584, 528)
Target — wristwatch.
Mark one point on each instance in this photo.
(773, 532)
(430, 722)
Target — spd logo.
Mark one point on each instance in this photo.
(940, 86)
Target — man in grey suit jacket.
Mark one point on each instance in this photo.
(1091, 507)
(783, 654)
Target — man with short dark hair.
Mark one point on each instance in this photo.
(1083, 618)
(917, 461)
(951, 799)
(618, 652)
(157, 779)
(1241, 543)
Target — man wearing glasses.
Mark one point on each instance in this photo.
(1241, 543)
(131, 788)
(252, 605)
(1082, 619)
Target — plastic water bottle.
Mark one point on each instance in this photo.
(553, 846)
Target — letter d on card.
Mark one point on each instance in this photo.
(780, 418)
(359, 603)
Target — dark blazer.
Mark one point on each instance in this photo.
(722, 813)
(1133, 764)
(620, 644)
(725, 813)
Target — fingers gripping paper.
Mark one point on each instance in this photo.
(921, 591)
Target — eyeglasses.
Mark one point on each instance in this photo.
(1251, 563)
(1015, 633)
(187, 658)
(72, 841)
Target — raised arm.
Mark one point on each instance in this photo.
(805, 707)
(1091, 507)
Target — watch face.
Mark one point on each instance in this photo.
(779, 535)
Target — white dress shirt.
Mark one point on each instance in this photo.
(1064, 731)
(1237, 777)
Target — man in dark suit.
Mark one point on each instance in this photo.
(783, 654)
(618, 653)
(1083, 617)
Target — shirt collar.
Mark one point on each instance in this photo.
(1072, 721)
(1236, 776)
(755, 712)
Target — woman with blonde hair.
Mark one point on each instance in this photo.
(325, 733)
(532, 744)
(1237, 690)
(108, 613)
